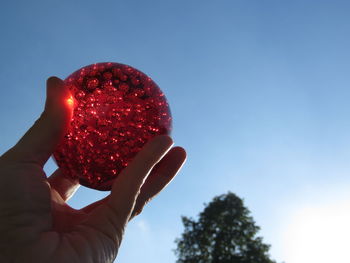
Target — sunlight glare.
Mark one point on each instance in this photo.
(319, 234)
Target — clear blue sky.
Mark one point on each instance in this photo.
(259, 92)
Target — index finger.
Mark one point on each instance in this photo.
(127, 185)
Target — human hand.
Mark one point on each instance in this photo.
(36, 223)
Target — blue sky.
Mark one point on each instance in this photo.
(259, 93)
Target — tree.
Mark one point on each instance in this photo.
(224, 233)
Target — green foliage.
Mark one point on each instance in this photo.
(224, 233)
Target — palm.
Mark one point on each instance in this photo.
(34, 216)
(60, 231)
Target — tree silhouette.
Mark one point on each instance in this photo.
(224, 233)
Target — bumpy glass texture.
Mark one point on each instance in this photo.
(117, 109)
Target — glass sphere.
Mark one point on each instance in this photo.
(117, 109)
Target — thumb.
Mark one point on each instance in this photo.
(42, 138)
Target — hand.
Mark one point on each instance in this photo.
(37, 225)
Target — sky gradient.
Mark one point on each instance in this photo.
(259, 92)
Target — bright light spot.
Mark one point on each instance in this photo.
(70, 101)
(319, 234)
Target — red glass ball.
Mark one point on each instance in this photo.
(117, 109)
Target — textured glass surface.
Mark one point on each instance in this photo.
(117, 109)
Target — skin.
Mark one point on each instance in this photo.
(36, 223)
